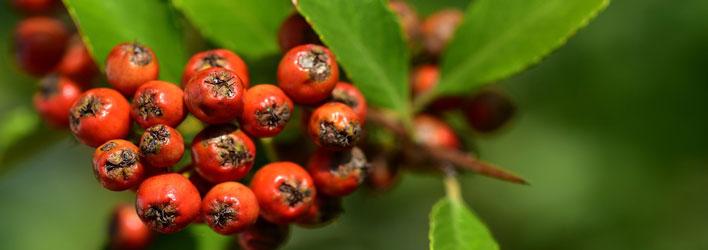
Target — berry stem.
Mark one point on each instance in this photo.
(269, 148)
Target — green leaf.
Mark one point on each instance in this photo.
(368, 42)
(427, 7)
(498, 38)
(249, 27)
(454, 227)
(104, 24)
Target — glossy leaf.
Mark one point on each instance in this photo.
(249, 27)
(103, 24)
(369, 44)
(426, 7)
(454, 227)
(499, 38)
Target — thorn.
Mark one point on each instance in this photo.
(466, 161)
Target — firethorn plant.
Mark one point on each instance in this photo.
(202, 138)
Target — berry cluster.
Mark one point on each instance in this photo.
(216, 89)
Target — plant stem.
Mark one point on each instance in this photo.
(423, 100)
(452, 186)
(269, 148)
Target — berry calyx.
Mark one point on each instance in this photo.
(117, 165)
(223, 153)
(158, 102)
(54, 99)
(266, 110)
(214, 95)
(167, 203)
(230, 207)
(285, 191)
(337, 173)
(335, 126)
(308, 73)
(129, 65)
(161, 146)
(219, 58)
(99, 115)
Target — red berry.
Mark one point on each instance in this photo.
(214, 95)
(39, 44)
(408, 18)
(337, 173)
(335, 126)
(127, 231)
(382, 174)
(167, 203)
(117, 165)
(223, 153)
(296, 31)
(433, 132)
(266, 110)
(351, 96)
(263, 235)
(129, 65)
(308, 73)
(77, 63)
(284, 190)
(100, 115)
(322, 212)
(34, 7)
(230, 207)
(489, 110)
(425, 78)
(439, 28)
(161, 146)
(54, 99)
(219, 58)
(158, 102)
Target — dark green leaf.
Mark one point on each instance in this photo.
(249, 27)
(369, 44)
(105, 24)
(454, 227)
(499, 38)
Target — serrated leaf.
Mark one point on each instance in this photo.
(104, 24)
(249, 27)
(454, 227)
(368, 43)
(498, 38)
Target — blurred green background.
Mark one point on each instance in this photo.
(611, 132)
